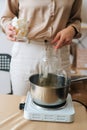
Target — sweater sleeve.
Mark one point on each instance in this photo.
(10, 11)
(75, 17)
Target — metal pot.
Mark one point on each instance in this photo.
(50, 91)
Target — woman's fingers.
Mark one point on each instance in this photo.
(11, 33)
(62, 43)
(11, 37)
(59, 44)
(64, 37)
(56, 39)
(10, 27)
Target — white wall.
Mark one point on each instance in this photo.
(5, 47)
(5, 44)
(84, 11)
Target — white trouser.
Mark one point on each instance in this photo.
(25, 62)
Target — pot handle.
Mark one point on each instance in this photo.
(79, 79)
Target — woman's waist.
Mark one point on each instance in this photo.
(39, 40)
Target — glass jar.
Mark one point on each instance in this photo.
(50, 67)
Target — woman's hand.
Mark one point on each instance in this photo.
(64, 37)
(11, 32)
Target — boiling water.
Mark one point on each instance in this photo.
(52, 80)
(58, 82)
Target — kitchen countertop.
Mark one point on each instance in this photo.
(11, 118)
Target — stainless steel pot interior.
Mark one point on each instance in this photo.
(49, 91)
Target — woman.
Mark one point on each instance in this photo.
(55, 21)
